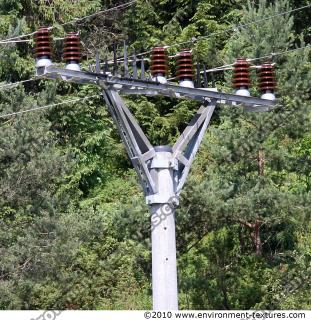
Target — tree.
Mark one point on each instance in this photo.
(252, 176)
(75, 232)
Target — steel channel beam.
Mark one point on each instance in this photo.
(195, 93)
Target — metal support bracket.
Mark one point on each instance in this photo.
(136, 143)
(139, 149)
(188, 143)
(169, 89)
(142, 153)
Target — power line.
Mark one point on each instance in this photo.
(18, 38)
(229, 29)
(125, 5)
(213, 34)
(216, 69)
(14, 84)
(239, 26)
(26, 40)
(270, 55)
(47, 106)
(121, 6)
(273, 54)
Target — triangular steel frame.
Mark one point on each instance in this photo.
(140, 150)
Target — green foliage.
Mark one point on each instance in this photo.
(74, 229)
(30, 161)
(220, 275)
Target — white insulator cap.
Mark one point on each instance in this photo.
(243, 92)
(268, 95)
(186, 83)
(43, 62)
(73, 66)
(160, 78)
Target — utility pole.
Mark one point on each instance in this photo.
(162, 170)
(164, 270)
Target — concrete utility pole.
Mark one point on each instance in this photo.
(162, 170)
(164, 270)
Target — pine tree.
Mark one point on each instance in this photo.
(254, 179)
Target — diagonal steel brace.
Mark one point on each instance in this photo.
(136, 143)
(188, 143)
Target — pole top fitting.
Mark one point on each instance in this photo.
(163, 149)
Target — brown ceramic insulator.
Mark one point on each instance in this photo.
(241, 74)
(267, 78)
(159, 63)
(43, 43)
(72, 48)
(185, 65)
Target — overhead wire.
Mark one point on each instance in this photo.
(270, 55)
(27, 40)
(46, 106)
(227, 30)
(220, 68)
(121, 6)
(19, 38)
(14, 84)
(239, 26)
(92, 96)
(230, 66)
(273, 54)
(125, 5)
(216, 69)
(141, 54)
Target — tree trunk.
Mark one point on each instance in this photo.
(255, 234)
